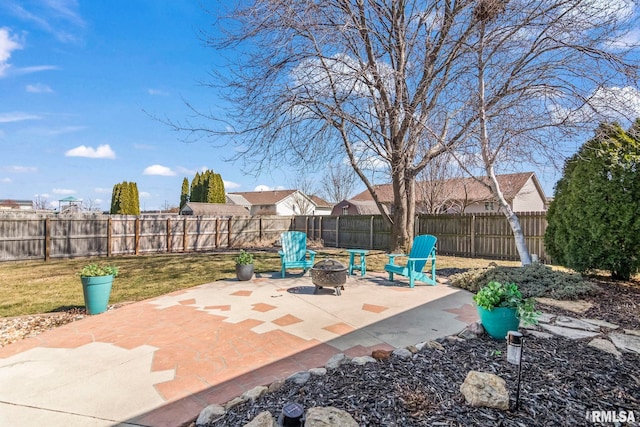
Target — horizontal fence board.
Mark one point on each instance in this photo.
(468, 235)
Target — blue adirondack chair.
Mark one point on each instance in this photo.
(294, 251)
(423, 250)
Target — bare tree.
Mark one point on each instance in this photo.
(537, 67)
(302, 204)
(434, 189)
(40, 202)
(91, 205)
(338, 183)
(395, 82)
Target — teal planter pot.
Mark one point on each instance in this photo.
(499, 321)
(96, 292)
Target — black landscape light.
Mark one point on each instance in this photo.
(515, 345)
(291, 415)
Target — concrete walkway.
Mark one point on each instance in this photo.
(159, 362)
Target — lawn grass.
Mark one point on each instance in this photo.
(30, 287)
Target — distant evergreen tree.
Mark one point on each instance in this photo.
(184, 193)
(125, 199)
(593, 221)
(207, 187)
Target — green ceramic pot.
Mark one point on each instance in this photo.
(499, 321)
(96, 292)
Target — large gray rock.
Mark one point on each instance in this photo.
(626, 342)
(362, 360)
(300, 378)
(210, 414)
(574, 334)
(485, 389)
(263, 419)
(434, 345)
(254, 393)
(605, 345)
(402, 353)
(570, 322)
(329, 417)
(602, 323)
(318, 371)
(336, 361)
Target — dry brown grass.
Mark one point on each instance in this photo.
(30, 287)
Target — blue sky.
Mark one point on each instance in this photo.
(81, 82)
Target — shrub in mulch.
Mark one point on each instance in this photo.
(561, 381)
(534, 280)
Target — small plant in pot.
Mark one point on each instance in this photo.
(244, 265)
(96, 286)
(501, 308)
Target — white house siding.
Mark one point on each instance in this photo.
(529, 199)
(290, 206)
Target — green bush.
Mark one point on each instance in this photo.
(534, 280)
(95, 270)
(593, 221)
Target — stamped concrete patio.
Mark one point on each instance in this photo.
(159, 362)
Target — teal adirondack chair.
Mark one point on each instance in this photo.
(423, 250)
(294, 251)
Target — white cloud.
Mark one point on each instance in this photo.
(158, 170)
(63, 191)
(157, 92)
(102, 190)
(34, 69)
(22, 169)
(263, 187)
(5, 180)
(102, 152)
(38, 88)
(144, 194)
(17, 116)
(57, 17)
(8, 44)
(230, 184)
(605, 104)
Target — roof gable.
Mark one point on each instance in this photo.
(469, 189)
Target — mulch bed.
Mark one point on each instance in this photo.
(561, 380)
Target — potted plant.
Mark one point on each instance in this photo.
(96, 286)
(244, 265)
(501, 308)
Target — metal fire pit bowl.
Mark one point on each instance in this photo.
(330, 273)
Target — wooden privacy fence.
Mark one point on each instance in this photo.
(62, 237)
(469, 235)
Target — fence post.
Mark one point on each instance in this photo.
(109, 237)
(185, 236)
(260, 229)
(137, 238)
(337, 230)
(320, 229)
(47, 239)
(168, 235)
(473, 236)
(371, 233)
(217, 233)
(229, 233)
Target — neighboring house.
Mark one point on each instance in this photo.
(357, 207)
(10, 204)
(322, 206)
(236, 199)
(278, 202)
(213, 209)
(521, 190)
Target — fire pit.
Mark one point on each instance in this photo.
(329, 272)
